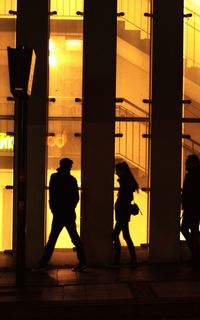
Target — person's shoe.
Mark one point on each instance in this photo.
(114, 264)
(39, 269)
(132, 263)
(79, 267)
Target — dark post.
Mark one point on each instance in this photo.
(21, 69)
(21, 138)
(166, 129)
(98, 128)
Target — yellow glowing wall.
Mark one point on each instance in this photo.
(6, 215)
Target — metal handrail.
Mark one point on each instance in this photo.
(135, 25)
(195, 142)
(131, 117)
(135, 106)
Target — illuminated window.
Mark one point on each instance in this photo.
(65, 84)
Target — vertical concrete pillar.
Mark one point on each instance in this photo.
(167, 62)
(98, 128)
(32, 31)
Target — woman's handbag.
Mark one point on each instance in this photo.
(134, 209)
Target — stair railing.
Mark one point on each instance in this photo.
(192, 38)
(132, 146)
(134, 13)
(194, 148)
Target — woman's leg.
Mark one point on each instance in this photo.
(130, 245)
(116, 242)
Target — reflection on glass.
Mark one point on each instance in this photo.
(6, 179)
(133, 65)
(6, 6)
(192, 58)
(65, 84)
(190, 145)
(191, 82)
(7, 36)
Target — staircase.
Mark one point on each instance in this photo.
(133, 37)
(131, 146)
(139, 38)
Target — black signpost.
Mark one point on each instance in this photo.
(21, 63)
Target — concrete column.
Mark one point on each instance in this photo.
(32, 31)
(167, 63)
(98, 128)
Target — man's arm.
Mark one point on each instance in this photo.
(52, 193)
(75, 193)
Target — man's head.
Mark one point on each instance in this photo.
(192, 162)
(66, 164)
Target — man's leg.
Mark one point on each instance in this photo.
(76, 240)
(56, 228)
(185, 228)
(195, 239)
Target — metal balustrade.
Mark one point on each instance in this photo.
(132, 146)
(192, 41)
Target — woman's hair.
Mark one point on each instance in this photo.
(126, 172)
(123, 167)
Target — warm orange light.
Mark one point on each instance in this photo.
(53, 61)
(52, 56)
(193, 5)
(73, 44)
(195, 2)
(6, 141)
(57, 141)
(51, 45)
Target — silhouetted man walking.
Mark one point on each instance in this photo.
(63, 198)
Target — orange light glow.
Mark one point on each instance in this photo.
(53, 61)
(73, 44)
(195, 2)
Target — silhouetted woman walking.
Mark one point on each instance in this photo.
(127, 185)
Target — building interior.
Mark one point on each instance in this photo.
(63, 123)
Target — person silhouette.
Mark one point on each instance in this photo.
(63, 198)
(127, 185)
(191, 206)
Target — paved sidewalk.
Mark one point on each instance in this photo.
(150, 291)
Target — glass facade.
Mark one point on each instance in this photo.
(191, 111)
(132, 123)
(132, 114)
(65, 85)
(7, 36)
(191, 82)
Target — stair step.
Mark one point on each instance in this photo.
(193, 73)
(130, 36)
(133, 37)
